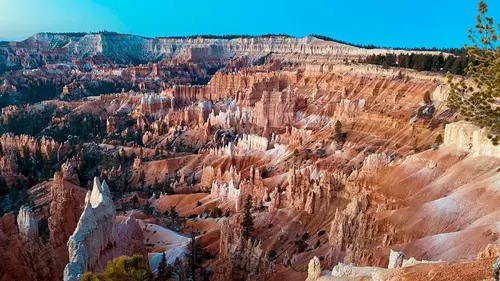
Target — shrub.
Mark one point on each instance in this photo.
(427, 97)
(123, 269)
(439, 139)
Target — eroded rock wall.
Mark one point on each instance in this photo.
(467, 136)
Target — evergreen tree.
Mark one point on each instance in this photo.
(448, 62)
(478, 100)
(457, 66)
(339, 136)
(192, 257)
(167, 187)
(156, 184)
(142, 178)
(164, 271)
(247, 223)
(196, 256)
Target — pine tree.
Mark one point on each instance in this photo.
(478, 100)
(192, 257)
(196, 256)
(247, 223)
(156, 184)
(339, 136)
(164, 271)
(142, 178)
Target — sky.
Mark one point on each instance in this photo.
(393, 23)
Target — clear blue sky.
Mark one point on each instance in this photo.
(403, 23)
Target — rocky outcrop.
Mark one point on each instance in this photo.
(28, 226)
(275, 203)
(69, 170)
(225, 191)
(154, 103)
(306, 190)
(240, 259)
(24, 256)
(130, 238)
(97, 239)
(350, 270)
(275, 109)
(8, 167)
(93, 242)
(467, 136)
(348, 109)
(313, 269)
(207, 177)
(373, 163)
(292, 135)
(66, 206)
(249, 143)
(395, 259)
(47, 147)
(350, 229)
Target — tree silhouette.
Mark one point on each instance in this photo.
(247, 223)
(164, 270)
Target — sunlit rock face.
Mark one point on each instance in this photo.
(93, 241)
(121, 48)
(64, 211)
(28, 226)
(97, 239)
(467, 136)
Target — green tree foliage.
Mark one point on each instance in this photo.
(423, 62)
(264, 172)
(320, 153)
(247, 223)
(196, 256)
(479, 99)
(133, 268)
(172, 220)
(338, 134)
(439, 139)
(455, 51)
(427, 97)
(86, 126)
(30, 122)
(142, 178)
(156, 184)
(216, 212)
(167, 186)
(164, 269)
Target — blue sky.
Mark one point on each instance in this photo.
(402, 23)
